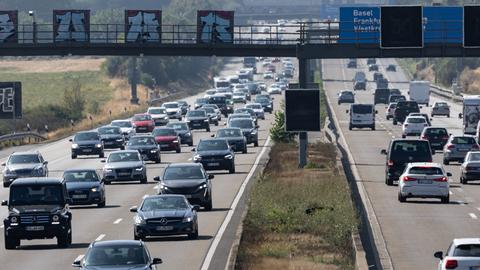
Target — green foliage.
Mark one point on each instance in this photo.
(277, 131)
(147, 80)
(74, 100)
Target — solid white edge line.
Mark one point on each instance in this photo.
(100, 237)
(79, 257)
(472, 215)
(233, 206)
(117, 221)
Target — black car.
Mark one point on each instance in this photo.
(200, 102)
(189, 179)
(377, 76)
(266, 102)
(360, 85)
(381, 96)
(437, 137)
(215, 154)
(223, 102)
(112, 137)
(346, 97)
(248, 127)
(352, 63)
(391, 67)
(396, 98)
(38, 209)
(395, 91)
(198, 119)
(84, 187)
(234, 137)
(117, 254)
(401, 152)
(87, 143)
(373, 67)
(183, 131)
(371, 61)
(161, 215)
(146, 146)
(212, 115)
(183, 106)
(403, 109)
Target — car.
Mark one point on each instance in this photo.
(437, 137)
(199, 102)
(223, 103)
(162, 215)
(424, 180)
(245, 112)
(37, 209)
(266, 102)
(248, 127)
(24, 164)
(209, 93)
(381, 95)
(87, 143)
(147, 146)
(257, 109)
(346, 97)
(84, 187)
(267, 61)
(188, 179)
(373, 67)
(395, 92)
(470, 168)
(440, 108)
(111, 137)
(371, 61)
(159, 115)
(457, 148)
(413, 126)
(244, 115)
(261, 87)
(391, 67)
(183, 131)
(396, 98)
(117, 254)
(424, 115)
(239, 97)
(390, 110)
(215, 108)
(215, 154)
(126, 126)
(274, 90)
(167, 138)
(403, 109)
(211, 114)
(377, 76)
(174, 110)
(124, 165)
(462, 254)
(268, 75)
(271, 68)
(183, 106)
(401, 152)
(352, 63)
(234, 137)
(143, 122)
(198, 119)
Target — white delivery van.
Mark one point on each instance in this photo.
(420, 92)
(470, 113)
(362, 116)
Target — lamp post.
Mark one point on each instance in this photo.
(31, 13)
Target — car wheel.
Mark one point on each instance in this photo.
(216, 123)
(101, 155)
(144, 180)
(107, 182)
(255, 144)
(209, 205)
(446, 161)
(6, 185)
(190, 143)
(232, 169)
(158, 159)
(208, 129)
(389, 181)
(136, 237)
(463, 180)
(446, 199)
(244, 151)
(101, 205)
(11, 243)
(193, 235)
(404, 136)
(448, 115)
(394, 122)
(122, 148)
(373, 127)
(63, 241)
(74, 156)
(401, 198)
(350, 127)
(178, 150)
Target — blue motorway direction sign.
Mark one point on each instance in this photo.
(443, 25)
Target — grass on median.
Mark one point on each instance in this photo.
(299, 219)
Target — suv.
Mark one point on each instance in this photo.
(381, 95)
(198, 119)
(404, 108)
(24, 164)
(215, 154)
(222, 102)
(38, 209)
(400, 153)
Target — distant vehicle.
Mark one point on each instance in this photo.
(211, 114)
(437, 137)
(224, 104)
(470, 168)
(183, 131)
(395, 92)
(183, 106)
(84, 187)
(143, 122)
(170, 208)
(246, 74)
(239, 115)
(159, 115)
(396, 98)
(257, 109)
(346, 97)
(86, 143)
(470, 113)
(413, 126)
(221, 82)
(268, 75)
(371, 61)
(124, 165)
(377, 76)
(239, 97)
(404, 108)
(37, 209)
(390, 110)
(234, 137)
(457, 148)
(174, 110)
(250, 62)
(266, 103)
(288, 73)
(215, 154)
(424, 180)
(200, 102)
(400, 153)
(147, 146)
(373, 67)
(126, 127)
(248, 127)
(360, 81)
(112, 137)
(167, 139)
(274, 90)
(462, 254)
(24, 164)
(424, 115)
(382, 83)
(352, 63)
(381, 96)
(198, 119)
(440, 108)
(420, 92)
(391, 67)
(362, 116)
(117, 254)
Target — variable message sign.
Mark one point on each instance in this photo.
(215, 26)
(10, 100)
(401, 27)
(302, 110)
(143, 25)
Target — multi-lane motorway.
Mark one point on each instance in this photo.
(115, 221)
(412, 231)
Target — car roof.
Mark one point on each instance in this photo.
(185, 164)
(109, 243)
(86, 131)
(425, 164)
(36, 181)
(124, 151)
(33, 152)
(465, 241)
(79, 170)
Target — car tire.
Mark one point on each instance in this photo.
(11, 243)
(107, 182)
(389, 181)
(6, 185)
(350, 127)
(448, 115)
(373, 127)
(446, 162)
(401, 198)
(190, 143)
(102, 204)
(388, 117)
(122, 148)
(255, 144)
(232, 169)
(244, 151)
(144, 180)
(395, 122)
(208, 129)
(194, 235)
(209, 205)
(445, 199)
(404, 136)
(463, 180)
(216, 123)
(64, 241)
(101, 155)
(178, 150)
(158, 160)
(74, 156)
(136, 237)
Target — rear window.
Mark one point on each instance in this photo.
(416, 120)
(463, 140)
(382, 92)
(412, 151)
(469, 250)
(362, 109)
(436, 131)
(407, 104)
(426, 170)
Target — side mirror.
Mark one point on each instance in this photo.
(460, 115)
(3, 163)
(103, 161)
(77, 263)
(133, 209)
(157, 261)
(45, 162)
(433, 151)
(449, 174)
(193, 150)
(346, 111)
(4, 203)
(156, 178)
(213, 135)
(211, 176)
(438, 255)
(383, 152)
(70, 140)
(196, 207)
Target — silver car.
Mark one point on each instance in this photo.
(257, 108)
(457, 148)
(470, 168)
(159, 115)
(24, 164)
(126, 126)
(440, 108)
(124, 165)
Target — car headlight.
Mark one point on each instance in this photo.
(161, 186)
(166, 117)
(8, 171)
(203, 186)
(197, 158)
(187, 121)
(188, 134)
(228, 156)
(139, 169)
(107, 170)
(187, 219)
(98, 145)
(206, 120)
(175, 141)
(153, 151)
(138, 220)
(269, 105)
(94, 189)
(14, 220)
(74, 146)
(119, 140)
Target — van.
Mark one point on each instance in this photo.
(362, 116)
(381, 95)
(420, 92)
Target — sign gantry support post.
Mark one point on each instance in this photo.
(303, 138)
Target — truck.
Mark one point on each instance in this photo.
(221, 82)
(470, 113)
(250, 62)
(420, 92)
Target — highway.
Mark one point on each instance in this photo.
(116, 222)
(412, 231)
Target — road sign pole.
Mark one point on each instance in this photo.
(303, 138)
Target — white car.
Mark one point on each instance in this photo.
(174, 111)
(274, 90)
(462, 254)
(413, 125)
(424, 180)
(239, 97)
(268, 75)
(126, 126)
(390, 110)
(159, 115)
(257, 108)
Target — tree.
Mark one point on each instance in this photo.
(74, 100)
(277, 131)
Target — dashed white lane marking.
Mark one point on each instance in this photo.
(461, 190)
(100, 237)
(472, 215)
(190, 159)
(1, 227)
(117, 221)
(79, 257)
(450, 192)
(393, 137)
(478, 208)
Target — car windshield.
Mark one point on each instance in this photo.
(196, 114)
(415, 120)
(243, 111)
(242, 123)
(36, 194)
(170, 105)
(212, 145)
(109, 130)
(23, 159)
(201, 101)
(141, 141)
(411, 151)
(86, 136)
(142, 117)
(208, 110)
(362, 109)
(178, 126)
(157, 111)
(183, 172)
(81, 176)
(164, 132)
(116, 255)
(474, 156)
(441, 104)
(229, 133)
(123, 157)
(436, 131)
(467, 250)
(392, 105)
(218, 99)
(122, 124)
(463, 140)
(348, 94)
(426, 170)
(164, 203)
(254, 106)
(407, 105)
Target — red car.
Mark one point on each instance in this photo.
(143, 122)
(167, 139)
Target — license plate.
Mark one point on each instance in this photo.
(123, 173)
(211, 164)
(83, 196)
(196, 125)
(164, 228)
(424, 181)
(87, 150)
(435, 144)
(464, 149)
(108, 143)
(35, 228)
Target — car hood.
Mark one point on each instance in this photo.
(142, 123)
(14, 167)
(126, 164)
(117, 267)
(213, 153)
(141, 147)
(86, 142)
(81, 185)
(165, 138)
(173, 110)
(33, 209)
(182, 131)
(164, 213)
(187, 183)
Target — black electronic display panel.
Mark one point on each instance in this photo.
(401, 27)
(10, 100)
(302, 110)
(471, 26)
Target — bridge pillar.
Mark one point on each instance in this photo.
(303, 138)
(133, 79)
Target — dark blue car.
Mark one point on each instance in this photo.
(84, 187)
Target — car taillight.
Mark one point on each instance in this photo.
(475, 146)
(441, 179)
(450, 146)
(451, 264)
(469, 168)
(390, 163)
(425, 137)
(408, 178)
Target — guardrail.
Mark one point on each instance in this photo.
(22, 137)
